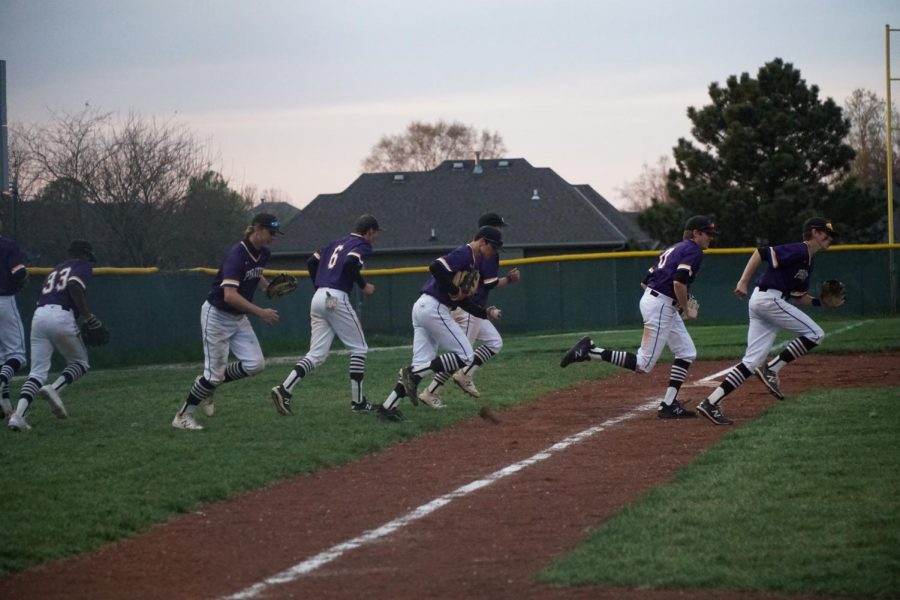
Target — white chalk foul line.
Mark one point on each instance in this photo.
(780, 347)
(311, 564)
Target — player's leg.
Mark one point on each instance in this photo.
(12, 349)
(216, 329)
(320, 340)
(67, 341)
(469, 324)
(809, 335)
(41, 355)
(346, 324)
(760, 335)
(685, 352)
(491, 345)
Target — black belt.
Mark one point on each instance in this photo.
(655, 293)
(784, 295)
(57, 306)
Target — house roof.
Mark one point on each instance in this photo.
(439, 209)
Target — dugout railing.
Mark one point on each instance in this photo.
(154, 315)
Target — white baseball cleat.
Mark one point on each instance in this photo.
(432, 399)
(465, 382)
(186, 421)
(17, 423)
(56, 404)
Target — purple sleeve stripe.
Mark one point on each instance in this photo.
(773, 258)
(444, 264)
(77, 280)
(230, 283)
(17, 268)
(489, 280)
(684, 267)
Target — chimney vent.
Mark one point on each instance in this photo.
(478, 170)
(535, 196)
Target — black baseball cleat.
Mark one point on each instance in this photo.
(713, 413)
(770, 380)
(363, 407)
(578, 353)
(392, 414)
(282, 399)
(410, 384)
(674, 411)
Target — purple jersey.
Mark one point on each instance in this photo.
(788, 269)
(55, 290)
(684, 256)
(460, 260)
(334, 257)
(241, 268)
(11, 262)
(490, 269)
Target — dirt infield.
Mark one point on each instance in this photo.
(486, 544)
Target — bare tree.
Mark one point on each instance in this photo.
(133, 176)
(650, 185)
(423, 146)
(867, 115)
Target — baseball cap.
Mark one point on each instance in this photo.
(492, 219)
(491, 235)
(820, 223)
(83, 248)
(365, 223)
(702, 223)
(268, 221)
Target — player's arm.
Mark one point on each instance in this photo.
(312, 266)
(753, 264)
(444, 277)
(474, 309)
(681, 296)
(352, 269)
(510, 278)
(79, 298)
(232, 297)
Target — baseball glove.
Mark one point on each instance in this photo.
(93, 332)
(693, 305)
(281, 285)
(467, 281)
(832, 293)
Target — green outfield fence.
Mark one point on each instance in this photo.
(154, 316)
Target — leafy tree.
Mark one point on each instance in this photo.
(212, 217)
(767, 156)
(423, 146)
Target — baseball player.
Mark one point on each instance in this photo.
(434, 326)
(481, 330)
(330, 312)
(783, 285)
(55, 325)
(664, 306)
(13, 277)
(224, 322)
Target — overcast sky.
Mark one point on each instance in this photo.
(293, 94)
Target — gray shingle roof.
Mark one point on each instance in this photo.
(449, 200)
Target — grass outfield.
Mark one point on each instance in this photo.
(116, 466)
(806, 499)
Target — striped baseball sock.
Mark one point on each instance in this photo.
(26, 396)
(235, 371)
(482, 355)
(9, 369)
(676, 378)
(357, 372)
(200, 391)
(445, 363)
(70, 375)
(792, 352)
(733, 380)
(301, 370)
(5, 400)
(439, 380)
(626, 360)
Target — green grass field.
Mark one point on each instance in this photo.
(116, 466)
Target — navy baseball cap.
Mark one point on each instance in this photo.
(703, 223)
(491, 235)
(492, 219)
(365, 223)
(820, 223)
(79, 248)
(268, 221)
